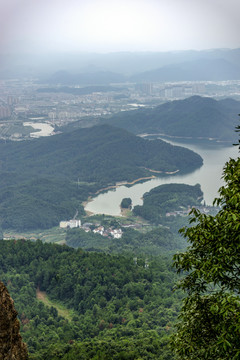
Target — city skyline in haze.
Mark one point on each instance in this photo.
(30, 26)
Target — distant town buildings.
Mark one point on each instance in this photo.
(5, 112)
(25, 100)
(181, 91)
(12, 100)
(145, 88)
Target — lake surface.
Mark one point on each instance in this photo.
(208, 176)
(44, 129)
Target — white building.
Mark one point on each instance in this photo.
(116, 234)
(99, 230)
(70, 224)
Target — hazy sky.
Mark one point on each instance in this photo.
(118, 25)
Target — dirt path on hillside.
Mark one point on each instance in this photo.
(41, 295)
(62, 311)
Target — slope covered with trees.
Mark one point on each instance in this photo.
(155, 242)
(103, 154)
(45, 180)
(168, 198)
(193, 117)
(41, 203)
(115, 307)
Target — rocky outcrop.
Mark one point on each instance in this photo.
(11, 345)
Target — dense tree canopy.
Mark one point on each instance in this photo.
(112, 306)
(167, 198)
(209, 326)
(155, 242)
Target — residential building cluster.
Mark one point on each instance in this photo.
(115, 233)
(88, 227)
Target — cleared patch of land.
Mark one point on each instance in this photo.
(62, 310)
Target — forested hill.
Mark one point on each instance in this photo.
(168, 198)
(192, 117)
(90, 305)
(102, 154)
(46, 180)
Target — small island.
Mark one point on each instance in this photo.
(169, 200)
(126, 203)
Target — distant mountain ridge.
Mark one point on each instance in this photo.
(195, 117)
(196, 70)
(103, 69)
(124, 63)
(202, 69)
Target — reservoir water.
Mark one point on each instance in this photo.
(208, 176)
(43, 129)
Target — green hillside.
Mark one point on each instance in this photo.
(78, 305)
(45, 180)
(168, 198)
(195, 117)
(102, 153)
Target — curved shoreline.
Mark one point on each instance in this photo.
(179, 138)
(124, 183)
(121, 183)
(85, 203)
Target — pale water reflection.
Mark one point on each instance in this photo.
(208, 176)
(43, 129)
